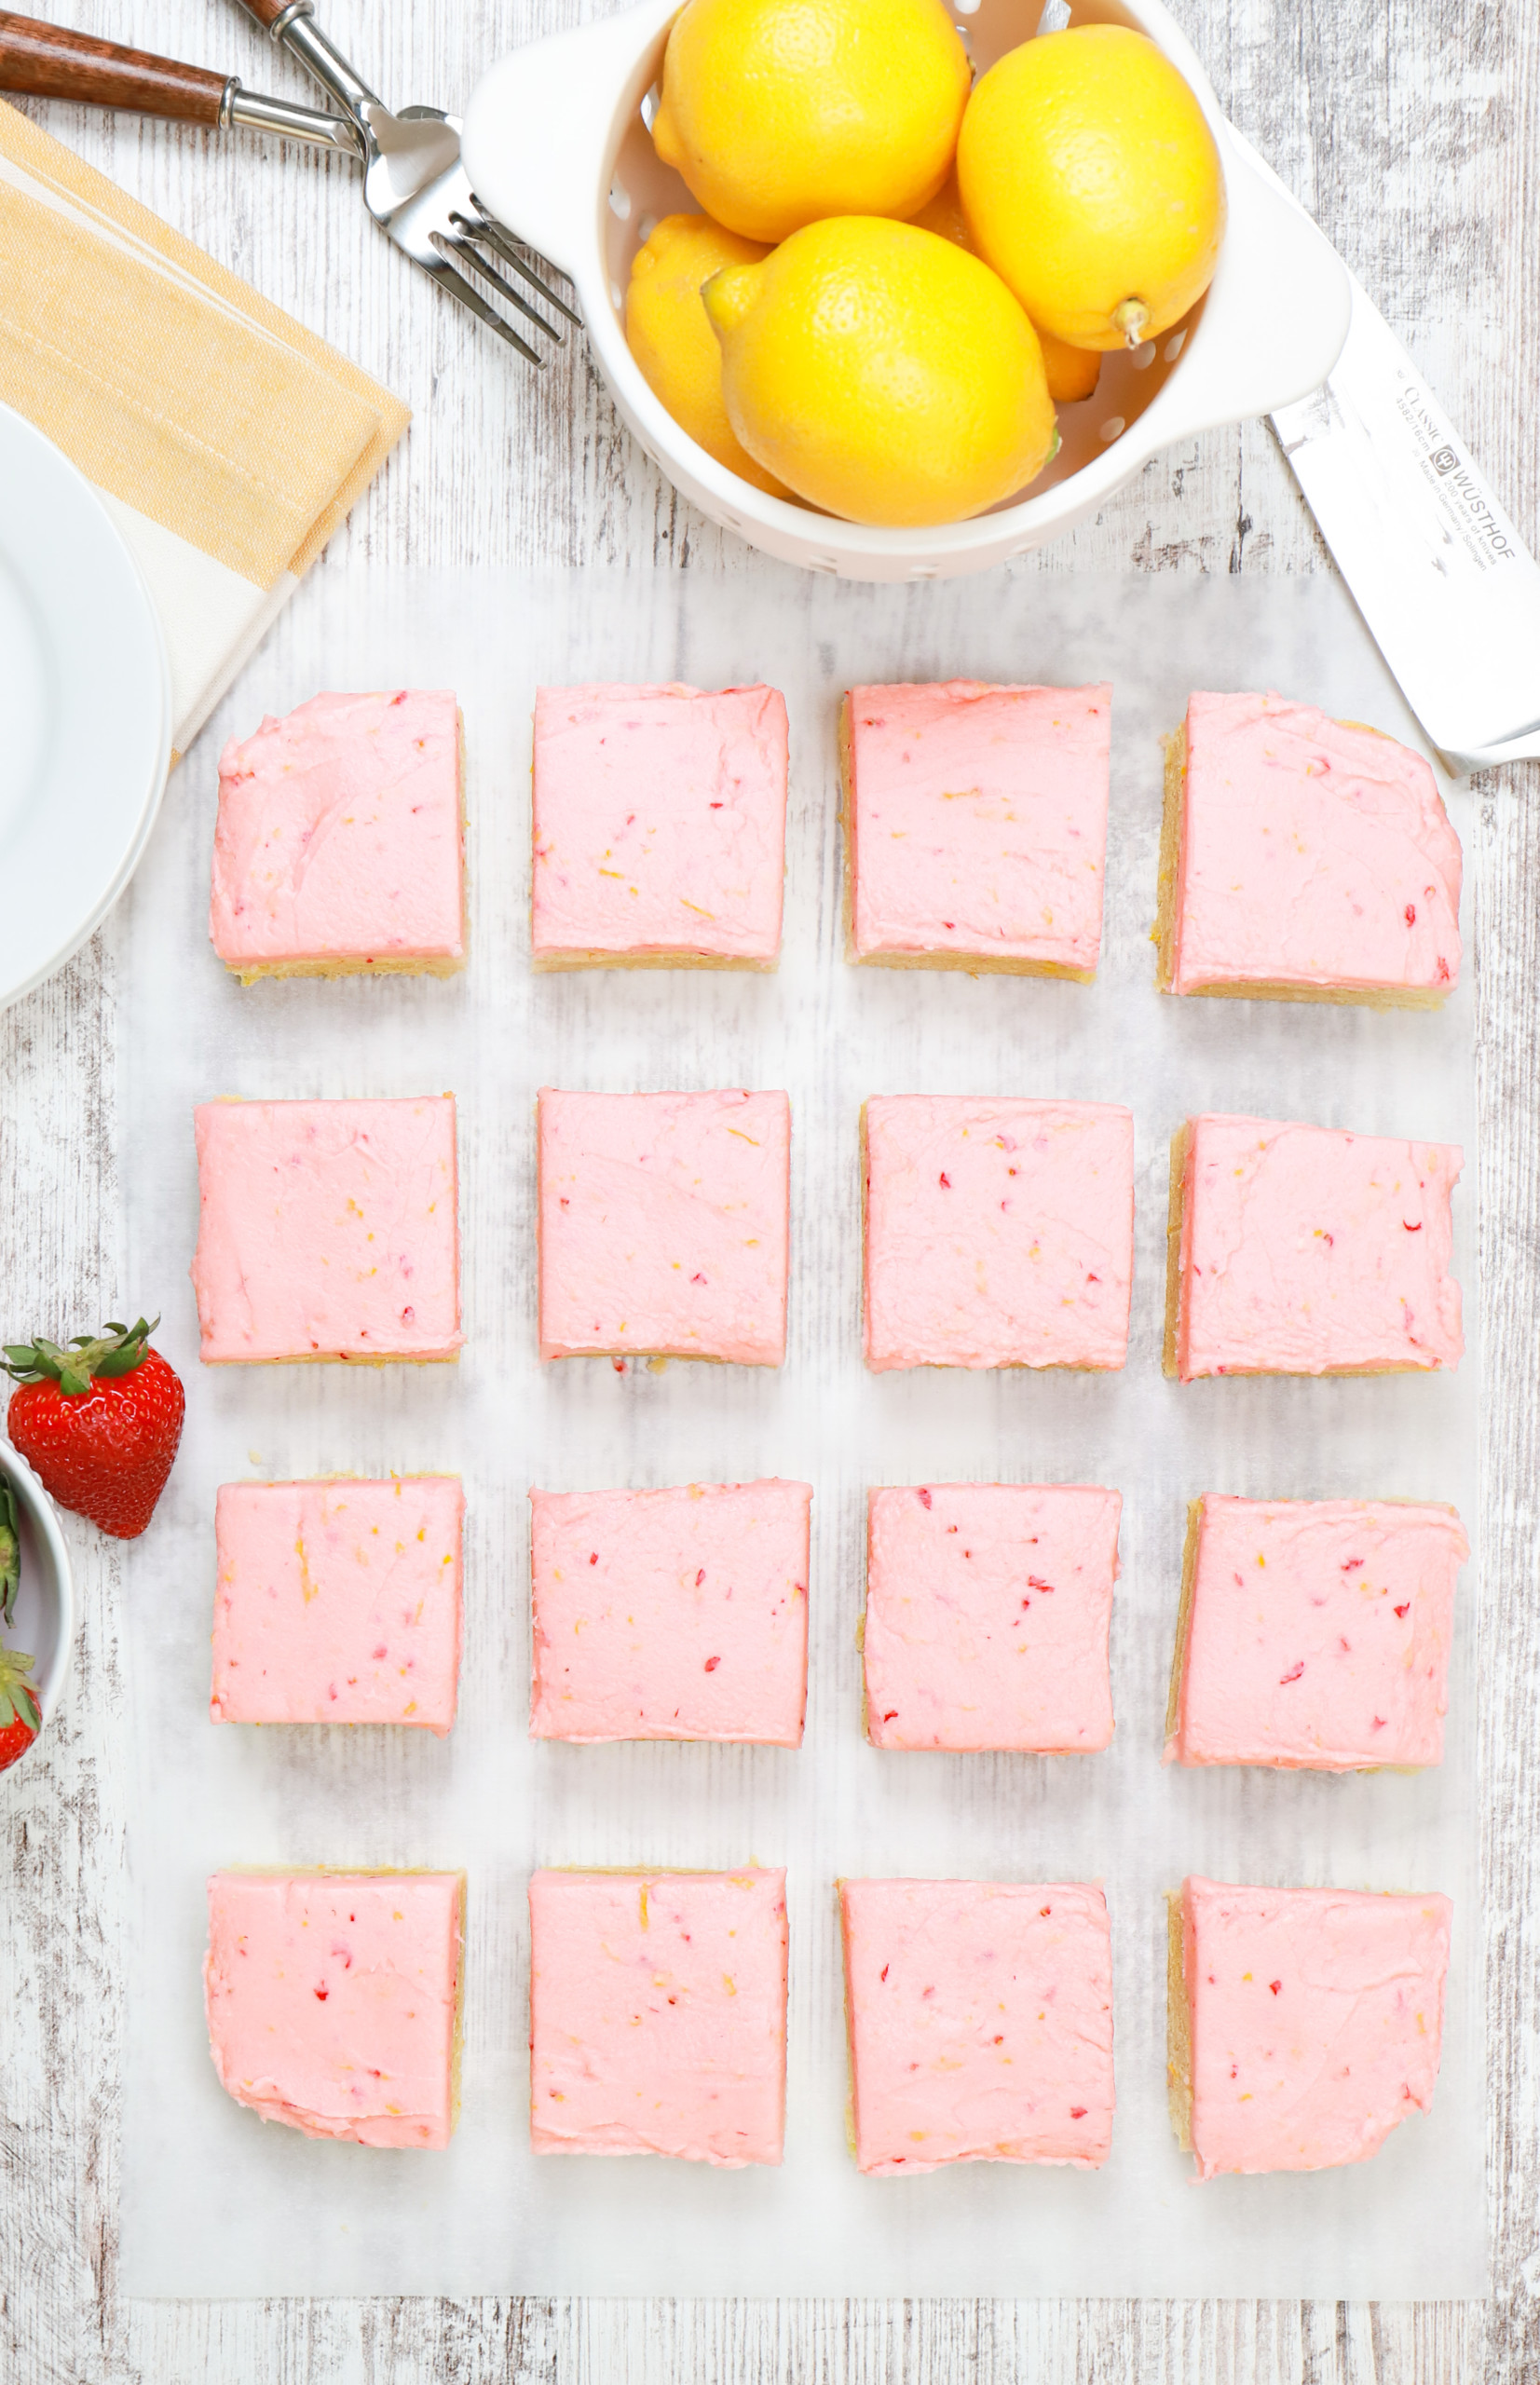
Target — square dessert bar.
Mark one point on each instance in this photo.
(975, 825)
(664, 1224)
(1304, 2023)
(659, 827)
(1303, 859)
(980, 2021)
(1315, 1633)
(1299, 1250)
(671, 1615)
(333, 2000)
(997, 1232)
(338, 1601)
(988, 1611)
(338, 848)
(327, 1229)
(658, 2014)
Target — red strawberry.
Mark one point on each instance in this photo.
(99, 1423)
(21, 1716)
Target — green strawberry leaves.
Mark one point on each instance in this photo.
(118, 1350)
(17, 1698)
(10, 1551)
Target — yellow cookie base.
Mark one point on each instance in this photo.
(347, 1358)
(551, 962)
(1184, 1624)
(1180, 1142)
(1178, 2025)
(346, 965)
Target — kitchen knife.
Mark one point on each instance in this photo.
(1440, 574)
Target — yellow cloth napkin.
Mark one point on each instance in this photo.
(225, 440)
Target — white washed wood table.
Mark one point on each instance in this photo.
(1412, 134)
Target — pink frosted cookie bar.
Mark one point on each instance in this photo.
(1304, 2023)
(664, 1224)
(659, 826)
(975, 825)
(980, 2020)
(1304, 859)
(338, 1601)
(988, 1611)
(997, 1232)
(327, 1229)
(333, 2000)
(1299, 1250)
(338, 847)
(671, 1615)
(1315, 1633)
(658, 2014)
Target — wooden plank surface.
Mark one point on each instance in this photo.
(1412, 130)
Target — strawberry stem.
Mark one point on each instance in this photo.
(17, 1695)
(117, 1350)
(10, 1551)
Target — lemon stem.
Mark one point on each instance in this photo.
(1132, 319)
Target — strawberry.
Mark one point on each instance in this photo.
(21, 1716)
(99, 1423)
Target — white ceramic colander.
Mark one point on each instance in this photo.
(558, 147)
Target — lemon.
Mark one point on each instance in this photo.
(1093, 184)
(669, 336)
(777, 112)
(1072, 372)
(882, 373)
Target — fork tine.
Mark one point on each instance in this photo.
(463, 243)
(487, 228)
(455, 283)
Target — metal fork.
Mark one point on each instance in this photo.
(416, 188)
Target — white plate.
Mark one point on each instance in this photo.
(85, 698)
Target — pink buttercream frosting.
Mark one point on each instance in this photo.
(658, 2014)
(659, 821)
(999, 1233)
(1318, 1634)
(671, 1615)
(338, 1601)
(980, 2021)
(664, 1224)
(1317, 2018)
(327, 1228)
(1312, 855)
(1306, 1250)
(333, 2001)
(338, 836)
(987, 1612)
(979, 821)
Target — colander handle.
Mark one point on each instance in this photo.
(1277, 311)
(541, 121)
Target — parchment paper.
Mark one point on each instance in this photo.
(216, 2203)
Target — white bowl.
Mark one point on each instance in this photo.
(45, 1602)
(557, 146)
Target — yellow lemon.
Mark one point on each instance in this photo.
(778, 112)
(1072, 372)
(1093, 184)
(882, 373)
(668, 334)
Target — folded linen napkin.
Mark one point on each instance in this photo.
(227, 442)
